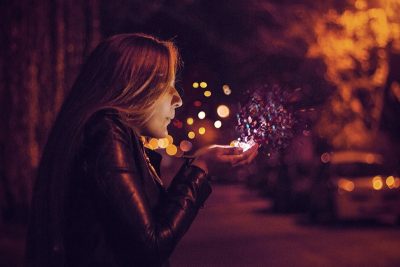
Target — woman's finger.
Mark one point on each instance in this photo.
(238, 151)
(230, 158)
(247, 158)
(252, 156)
(230, 150)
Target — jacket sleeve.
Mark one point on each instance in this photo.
(117, 183)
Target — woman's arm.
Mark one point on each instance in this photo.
(136, 230)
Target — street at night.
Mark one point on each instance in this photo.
(174, 133)
(236, 228)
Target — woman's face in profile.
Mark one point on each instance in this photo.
(164, 112)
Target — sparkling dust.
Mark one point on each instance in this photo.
(266, 119)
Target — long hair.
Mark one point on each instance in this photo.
(127, 73)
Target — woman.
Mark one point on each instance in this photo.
(98, 198)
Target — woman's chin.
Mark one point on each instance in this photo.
(161, 134)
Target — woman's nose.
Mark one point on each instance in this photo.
(176, 100)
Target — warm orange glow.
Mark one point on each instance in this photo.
(195, 85)
(346, 185)
(361, 4)
(191, 135)
(395, 88)
(145, 143)
(203, 84)
(396, 183)
(223, 111)
(163, 142)
(189, 121)
(207, 93)
(217, 124)
(353, 44)
(377, 183)
(170, 139)
(370, 158)
(201, 115)
(171, 149)
(390, 182)
(153, 143)
(202, 130)
(185, 145)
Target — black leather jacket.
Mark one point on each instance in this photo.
(118, 214)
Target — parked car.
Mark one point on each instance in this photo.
(355, 185)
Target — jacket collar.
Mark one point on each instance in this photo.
(155, 159)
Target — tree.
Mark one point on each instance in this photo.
(43, 45)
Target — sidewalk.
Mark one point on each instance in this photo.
(227, 232)
(237, 229)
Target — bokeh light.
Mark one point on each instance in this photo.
(171, 150)
(153, 143)
(177, 123)
(390, 181)
(370, 158)
(223, 111)
(377, 183)
(185, 145)
(189, 121)
(170, 139)
(361, 4)
(233, 143)
(226, 89)
(201, 115)
(195, 85)
(217, 124)
(163, 142)
(325, 157)
(202, 130)
(203, 85)
(191, 135)
(207, 93)
(148, 146)
(396, 183)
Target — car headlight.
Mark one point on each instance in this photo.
(346, 185)
(392, 182)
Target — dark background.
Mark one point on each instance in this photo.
(239, 43)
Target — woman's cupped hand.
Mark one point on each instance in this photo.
(213, 157)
